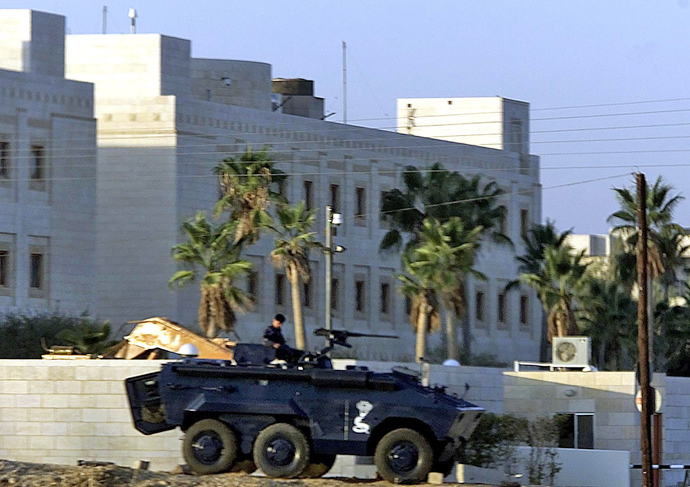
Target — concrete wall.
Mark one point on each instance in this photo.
(241, 83)
(61, 411)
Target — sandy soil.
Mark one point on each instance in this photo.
(22, 474)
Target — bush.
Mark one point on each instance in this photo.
(23, 333)
(493, 441)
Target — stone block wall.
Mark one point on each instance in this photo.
(61, 411)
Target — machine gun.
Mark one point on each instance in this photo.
(339, 337)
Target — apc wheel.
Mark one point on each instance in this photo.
(404, 456)
(281, 451)
(319, 466)
(209, 446)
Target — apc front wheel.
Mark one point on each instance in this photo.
(281, 451)
(209, 446)
(404, 456)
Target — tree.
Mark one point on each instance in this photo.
(437, 267)
(535, 242)
(88, 337)
(609, 316)
(660, 207)
(293, 242)
(439, 194)
(246, 182)
(214, 257)
(424, 315)
(559, 284)
(452, 248)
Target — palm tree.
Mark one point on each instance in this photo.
(416, 285)
(535, 242)
(439, 194)
(559, 284)
(89, 337)
(293, 242)
(609, 316)
(660, 207)
(453, 248)
(437, 267)
(246, 182)
(215, 258)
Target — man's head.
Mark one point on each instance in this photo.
(278, 320)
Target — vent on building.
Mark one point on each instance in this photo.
(572, 350)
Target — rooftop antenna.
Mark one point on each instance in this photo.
(133, 17)
(344, 82)
(105, 19)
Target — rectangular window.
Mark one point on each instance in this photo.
(575, 430)
(360, 298)
(382, 215)
(385, 298)
(335, 291)
(524, 221)
(36, 271)
(38, 162)
(335, 198)
(4, 268)
(4, 160)
(306, 294)
(308, 195)
(524, 310)
(502, 308)
(360, 206)
(479, 306)
(408, 305)
(253, 286)
(280, 289)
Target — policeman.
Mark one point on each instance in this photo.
(273, 337)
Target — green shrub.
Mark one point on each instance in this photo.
(22, 333)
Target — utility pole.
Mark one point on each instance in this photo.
(643, 334)
(332, 220)
(105, 19)
(329, 268)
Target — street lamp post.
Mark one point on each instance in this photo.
(332, 220)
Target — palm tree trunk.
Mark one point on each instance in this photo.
(450, 334)
(420, 345)
(296, 307)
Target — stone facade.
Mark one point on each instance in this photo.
(159, 140)
(47, 171)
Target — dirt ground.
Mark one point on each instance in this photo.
(22, 474)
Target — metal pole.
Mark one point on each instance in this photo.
(344, 82)
(642, 334)
(105, 19)
(329, 267)
(656, 451)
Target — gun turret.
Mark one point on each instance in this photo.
(339, 337)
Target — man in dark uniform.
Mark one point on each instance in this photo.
(273, 337)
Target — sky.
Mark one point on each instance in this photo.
(607, 82)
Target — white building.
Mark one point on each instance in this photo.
(47, 171)
(166, 119)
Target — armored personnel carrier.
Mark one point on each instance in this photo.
(292, 419)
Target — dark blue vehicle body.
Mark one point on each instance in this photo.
(345, 412)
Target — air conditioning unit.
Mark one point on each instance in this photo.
(572, 350)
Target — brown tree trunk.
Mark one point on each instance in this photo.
(450, 334)
(300, 342)
(420, 345)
